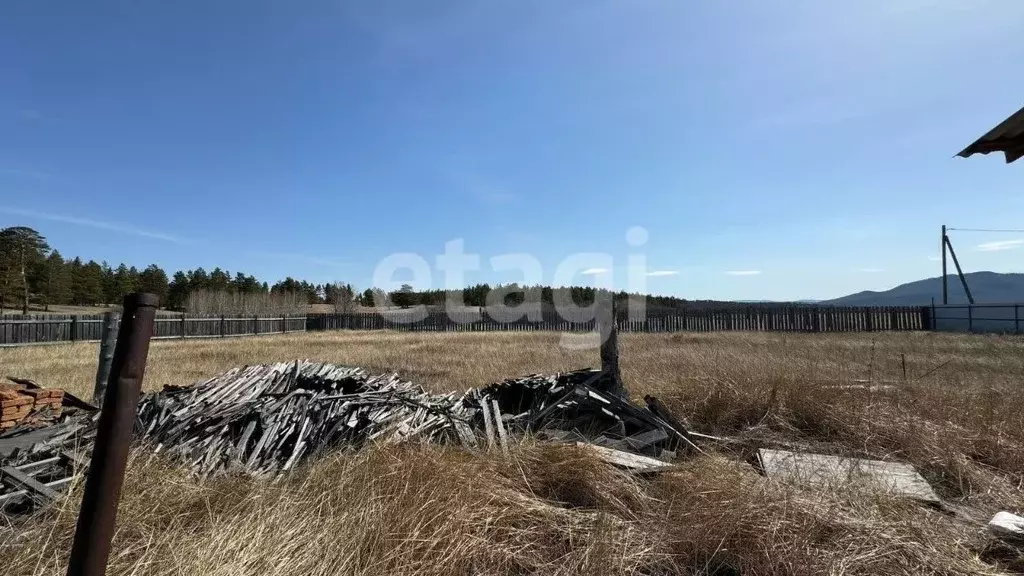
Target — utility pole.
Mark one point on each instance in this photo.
(945, 287)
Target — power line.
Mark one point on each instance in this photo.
(985, 230)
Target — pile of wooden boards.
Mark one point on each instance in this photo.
(264, 419)
(46, 446)
(581, 406)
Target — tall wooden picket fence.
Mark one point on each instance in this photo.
(50, 328)
(760, 318)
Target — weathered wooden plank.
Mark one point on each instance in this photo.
(488, 428)
(826, 470)
(626, 460)
(35, 489)
(1007, 525)
(500, 426)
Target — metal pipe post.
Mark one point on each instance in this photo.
(95, 528)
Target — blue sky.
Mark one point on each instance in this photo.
(811, 142)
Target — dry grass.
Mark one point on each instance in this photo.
(551, 510)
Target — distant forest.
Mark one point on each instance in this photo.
(33, 275)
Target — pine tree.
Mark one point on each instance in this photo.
(154, 281)
(57, 286)
(366, 299)
(177, 291)
(125, 282)
(21, 249)
(108, 284)
(88, 286)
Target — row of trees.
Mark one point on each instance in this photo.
(32, 273)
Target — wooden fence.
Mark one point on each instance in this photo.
(52, 328)
(38, 329)
(760, 318)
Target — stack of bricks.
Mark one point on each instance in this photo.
(22, 405)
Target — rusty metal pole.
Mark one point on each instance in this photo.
(95, 528)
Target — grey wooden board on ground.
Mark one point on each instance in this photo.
(626, 460)
(825, 470)
(18, 495)
(27, 440)
(1007, 525)
(35, 489)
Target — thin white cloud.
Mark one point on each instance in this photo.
(743, 272)
(872, 270)
(663, 273)
(111, 226)
(34, 174)
(594, 271)
(999, 245)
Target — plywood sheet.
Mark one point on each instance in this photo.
(824, 470)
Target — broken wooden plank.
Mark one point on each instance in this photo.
(36, 490)
(17, 495)
(626, 459)
(488, 429)
(641, 441)
(825, 470)
(500, 426)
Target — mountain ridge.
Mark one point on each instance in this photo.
(986, 287)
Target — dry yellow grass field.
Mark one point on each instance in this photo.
(957, 413)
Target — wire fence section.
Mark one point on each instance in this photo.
(987, 318)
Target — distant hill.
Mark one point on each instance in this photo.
(986, 287)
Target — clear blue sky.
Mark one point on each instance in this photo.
(809, 141)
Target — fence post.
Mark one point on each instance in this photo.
(95, 528)
(182, 325)
(74, 328)
(256, 324)
(926, 318)
(108, 338)
(284, 323)
(221, 325)
(608, 332)
(970, 318)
